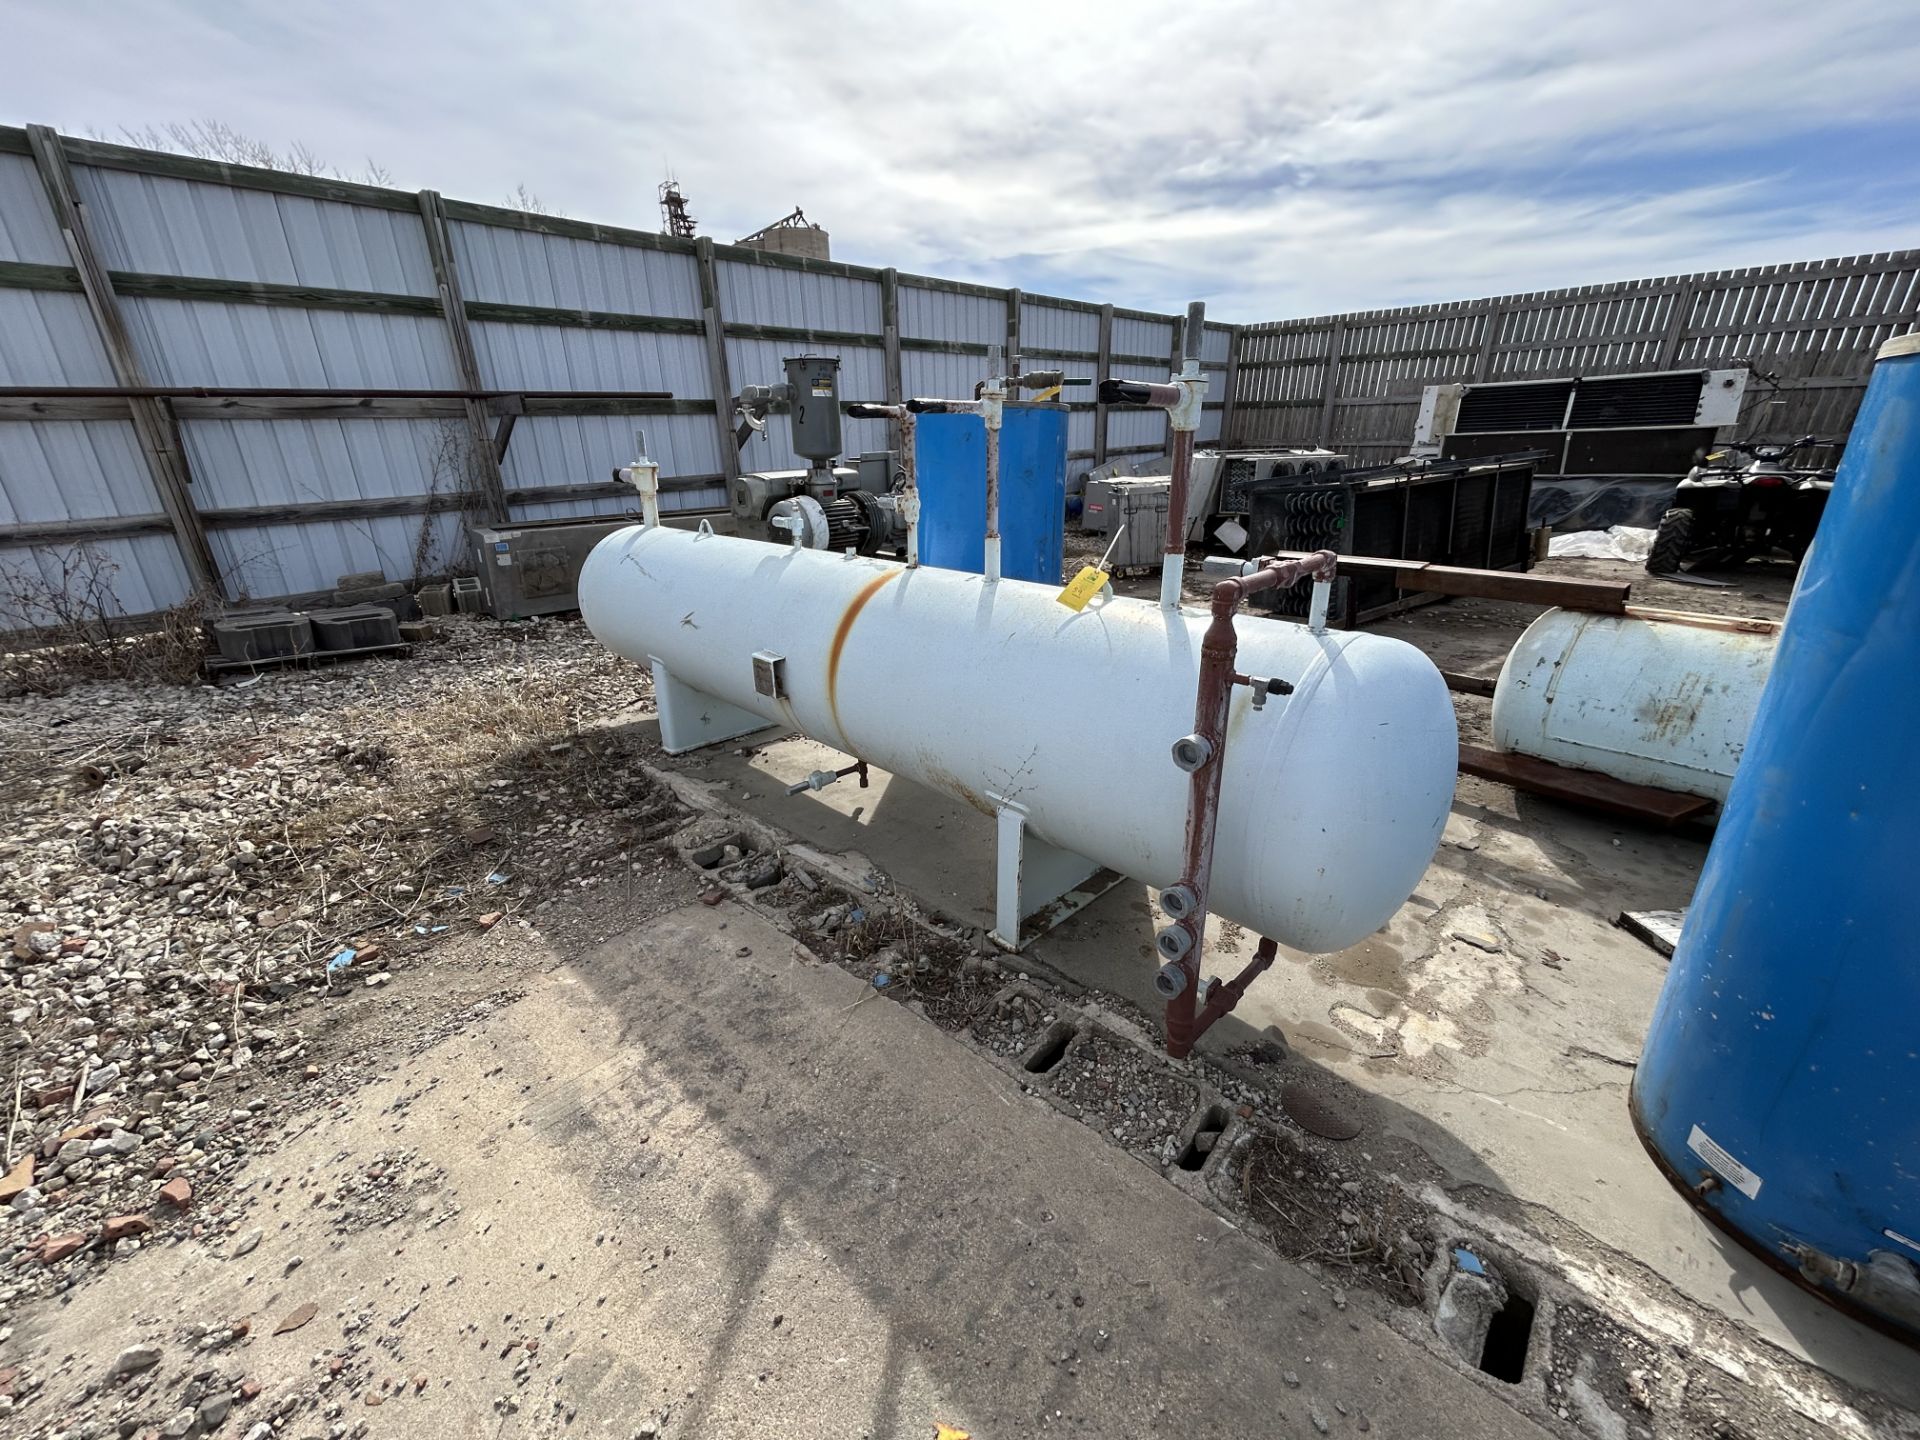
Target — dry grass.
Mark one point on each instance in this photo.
(1288, 1190)
(424, 819)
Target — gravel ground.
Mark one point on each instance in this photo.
(222, 908)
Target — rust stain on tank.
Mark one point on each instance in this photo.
(845, 627)
(941, 778)
(1673, 713)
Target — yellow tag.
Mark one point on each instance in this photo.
(1082, 588)
(1050, 393)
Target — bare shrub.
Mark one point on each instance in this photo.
(62, 624)
(217, 140)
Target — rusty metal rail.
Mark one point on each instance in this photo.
(1605, 597)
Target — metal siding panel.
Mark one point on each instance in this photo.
(935, 375)
(1128, 428)
(1046, 328)
(585, 449)
(290, 559)
(201, 342)
(159, 225)
(146, 571)
(53, 470)
(27, 228)
(556, 357)
(943, 315)
(1079, 430)
(1216, 344)
(1142, 337)
(774, 295)
(48, 338)
(297, 462)
(518, 267)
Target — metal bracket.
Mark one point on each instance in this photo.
(691, 718)
(1036, 876)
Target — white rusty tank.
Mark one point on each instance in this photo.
(1653, 697)
(1333, 798)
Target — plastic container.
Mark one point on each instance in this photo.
(951, 471)
(1778, 1083)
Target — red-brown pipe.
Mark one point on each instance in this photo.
(1219, 648)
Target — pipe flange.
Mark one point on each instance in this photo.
(1190, 752)
(1179, 901)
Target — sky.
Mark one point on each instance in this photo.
(1274, 159)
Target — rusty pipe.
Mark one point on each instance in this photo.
(1173, 566)
(1184, 942)
(1224, 997)
(907, 418)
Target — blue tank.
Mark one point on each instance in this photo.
(950, 457)
(1780, 1082)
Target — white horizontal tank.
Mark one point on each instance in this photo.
(1661, 698)
(1332, 800)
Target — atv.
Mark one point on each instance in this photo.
(1727, 509)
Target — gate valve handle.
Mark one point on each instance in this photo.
(818, 780)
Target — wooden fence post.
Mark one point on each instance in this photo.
(713, 328)
(1683, 299)
(890, 343)
(1102, 367)
(1489, 340)
(1336, 341)
(485, 456)
(1227, 417)
(152, 423)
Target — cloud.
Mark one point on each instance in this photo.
(1276, 159)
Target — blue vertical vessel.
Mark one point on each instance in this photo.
(950, 458)
(1780, 1081)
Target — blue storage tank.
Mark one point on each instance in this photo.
(1780, 1082)
(950, 458)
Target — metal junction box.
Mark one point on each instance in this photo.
(532, 569)
(1140, 506)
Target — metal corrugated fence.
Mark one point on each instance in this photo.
(525, 327)
(1353, 381)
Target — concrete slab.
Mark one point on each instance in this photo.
(1506, 1057)
(723, 1196)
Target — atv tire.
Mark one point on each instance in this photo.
(1671, 543)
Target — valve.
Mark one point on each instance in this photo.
(1190, 752)
(1263, 686)
(818, 780)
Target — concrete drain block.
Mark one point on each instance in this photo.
(1485, 1319)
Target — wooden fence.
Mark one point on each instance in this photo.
(1353, 382)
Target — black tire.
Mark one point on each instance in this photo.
(1671, 543)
